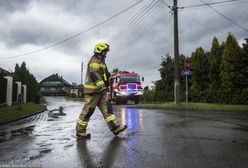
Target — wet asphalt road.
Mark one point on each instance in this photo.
(154, 138)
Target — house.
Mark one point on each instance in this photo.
(3, 72)
(76, 90)
(152, 87)
(54, 85)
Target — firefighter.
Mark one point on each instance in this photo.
(95, 90)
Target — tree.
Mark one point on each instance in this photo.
(218, 76)
(165, 87)
(243, 74)
(22, 74)
(214, 64)
(199, 79)
(230, 65)
(146, 88)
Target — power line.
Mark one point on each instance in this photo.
(165, 3)
(238, 2)
(238, 25)
(213, 3)
(141, 18)
(135, 19)
(149, 29)
(199, 23)
(75, 35)
(134, 26)
(142, 34)
(220, 5)
(135, 23)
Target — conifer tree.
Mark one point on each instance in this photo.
(165, 86)
(243, 74)
(199, 79)
(199, 65)
(22, 74)
(214, 64)
(230, 67)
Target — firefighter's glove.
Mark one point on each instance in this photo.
(103, 90)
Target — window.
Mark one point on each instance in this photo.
(130, 79)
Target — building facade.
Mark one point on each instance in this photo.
(54, 85)
(76, 90)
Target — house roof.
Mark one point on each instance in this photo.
(5, 72)
(65, 82)
(56, 77)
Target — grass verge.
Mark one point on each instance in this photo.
(13, 113)
(194, 106)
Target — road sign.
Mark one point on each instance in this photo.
(186, 73)
(186, 64)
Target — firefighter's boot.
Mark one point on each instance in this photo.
(83, 135)
(119, 129)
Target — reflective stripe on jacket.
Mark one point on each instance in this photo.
(96, 75)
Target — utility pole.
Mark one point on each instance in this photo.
(82, 68)
(81, 89)
(176, 55)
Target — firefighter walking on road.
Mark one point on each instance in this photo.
(95, 90)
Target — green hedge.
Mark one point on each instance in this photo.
(205, 96)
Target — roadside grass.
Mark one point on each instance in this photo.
(193, 106)
(12, 113)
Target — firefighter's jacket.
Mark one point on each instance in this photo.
(97, 75)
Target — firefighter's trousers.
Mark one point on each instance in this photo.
(90, 103)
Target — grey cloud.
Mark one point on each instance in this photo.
(139, 50)
(96, 10)
(9, 6)
(193, 35)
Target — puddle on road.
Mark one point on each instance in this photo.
(40, 153)
(12, 134)
(244, 128)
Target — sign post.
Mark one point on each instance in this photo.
(186, 73)
(186, 92)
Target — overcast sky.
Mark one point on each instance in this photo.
(30, 25)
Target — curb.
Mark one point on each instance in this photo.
(23, 117)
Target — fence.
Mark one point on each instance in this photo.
(3, 90)
(8, 95)
(14, 93)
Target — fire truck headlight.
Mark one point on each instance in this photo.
(121, 93)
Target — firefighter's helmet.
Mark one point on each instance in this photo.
(100, 47)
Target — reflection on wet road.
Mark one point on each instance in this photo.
(154, 138)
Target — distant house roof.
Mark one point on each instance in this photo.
(66, 83)
(4, 72)
(55, 78)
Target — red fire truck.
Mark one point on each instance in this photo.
(125, 86)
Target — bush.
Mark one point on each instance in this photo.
(149, 95)
(227, 97)
(244, 96)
